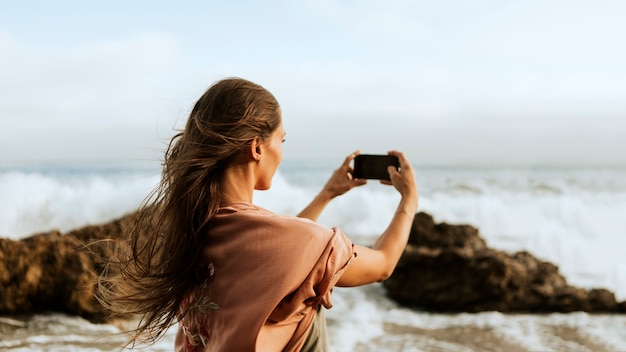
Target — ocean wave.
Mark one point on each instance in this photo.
(573, 218)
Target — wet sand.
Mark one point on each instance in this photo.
(56, 332)
(467, 338)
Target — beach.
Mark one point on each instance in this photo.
(570, 216)
(354, 327)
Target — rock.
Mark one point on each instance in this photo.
(449, 268)
(56, 272)
(445, 268)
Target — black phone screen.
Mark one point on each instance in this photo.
(367, 166)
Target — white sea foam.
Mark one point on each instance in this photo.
(33, 202)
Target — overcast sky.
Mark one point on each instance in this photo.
(517, 82)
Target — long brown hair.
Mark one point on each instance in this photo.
(156, 267)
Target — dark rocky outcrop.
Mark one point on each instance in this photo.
(446, 268)
(449, 268)
(57, 272)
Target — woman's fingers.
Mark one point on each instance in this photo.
(403, 179)
(349, 158)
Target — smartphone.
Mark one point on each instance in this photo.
(368, 166)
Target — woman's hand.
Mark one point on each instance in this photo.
(403, 179)
(341, 181)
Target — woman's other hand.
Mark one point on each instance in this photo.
(341, 181)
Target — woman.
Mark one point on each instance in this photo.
(237, 277)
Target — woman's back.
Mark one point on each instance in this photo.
(273, 270)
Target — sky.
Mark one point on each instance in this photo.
(467, 81)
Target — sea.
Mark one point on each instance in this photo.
(573, 216)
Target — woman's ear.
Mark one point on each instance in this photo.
(256, 149)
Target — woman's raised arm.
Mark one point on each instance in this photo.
(377, 263)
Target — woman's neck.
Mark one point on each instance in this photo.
(237, 184)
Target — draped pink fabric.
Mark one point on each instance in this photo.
(270, 274)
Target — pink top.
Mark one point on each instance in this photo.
(271, 272)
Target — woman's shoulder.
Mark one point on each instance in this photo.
(261, 216)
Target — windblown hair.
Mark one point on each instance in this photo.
(158, 265)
